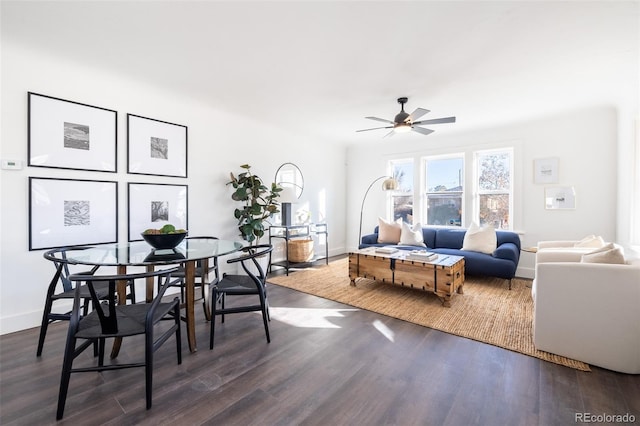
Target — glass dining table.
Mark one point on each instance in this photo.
(140, 253)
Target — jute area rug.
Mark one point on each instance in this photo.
(487, 311)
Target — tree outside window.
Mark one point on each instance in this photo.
(494, 188)
(402, 198)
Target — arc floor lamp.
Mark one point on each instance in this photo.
(389, 184)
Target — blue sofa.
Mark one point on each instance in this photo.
(502, 263)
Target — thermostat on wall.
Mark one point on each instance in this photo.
(11, 164)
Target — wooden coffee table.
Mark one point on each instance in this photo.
(443, 276)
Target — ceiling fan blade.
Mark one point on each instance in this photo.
(375, 128)
(422, 130)
(391, 133)
(436, 121)
(381, 119)
(419, 112)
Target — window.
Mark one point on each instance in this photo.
(402, 198)
(454, 191)
(494, 198)
(444, 184)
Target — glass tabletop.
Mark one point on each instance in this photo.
(140, 253)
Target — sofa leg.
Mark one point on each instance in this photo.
(510, 283)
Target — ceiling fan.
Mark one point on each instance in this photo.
(404, 122)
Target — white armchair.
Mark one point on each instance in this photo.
(560, 251)
(588, 311)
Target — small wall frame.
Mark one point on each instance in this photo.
(69, 212)
(69, 135)
(154, 205)
(156, 147)
(545, 170)
(560, 198)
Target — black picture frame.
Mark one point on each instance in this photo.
(156, 147)
(153, 205)
(64, 134)
(71, 212)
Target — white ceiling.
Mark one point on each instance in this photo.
(321, 67)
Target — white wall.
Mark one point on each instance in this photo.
(218, 144)
(585, 141)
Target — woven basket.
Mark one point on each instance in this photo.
(300, 250)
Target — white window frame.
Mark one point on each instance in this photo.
(477, 192)
(424, 204)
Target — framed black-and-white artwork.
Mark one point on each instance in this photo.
(560, 197)
(156, 147)
(70, 135)
(545, 170)
(70, 212)
(153, 205)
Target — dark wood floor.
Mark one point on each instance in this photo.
(327, 364)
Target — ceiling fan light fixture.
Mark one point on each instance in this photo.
(402, 127)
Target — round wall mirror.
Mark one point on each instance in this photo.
(289, 175)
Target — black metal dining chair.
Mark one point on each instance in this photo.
(58, 256)
(109, 319)
(253, 283)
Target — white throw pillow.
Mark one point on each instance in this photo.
(614, 256)
(389, 232)
(412, 235)
(606, 247)
(483, 240)
(590, 241)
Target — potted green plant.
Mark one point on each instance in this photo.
(259, 203)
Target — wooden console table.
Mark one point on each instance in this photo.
(443, 276)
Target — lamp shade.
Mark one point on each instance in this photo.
(390, 184)
(288, 195)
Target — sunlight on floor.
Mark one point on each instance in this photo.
(321, 318)
(308, 317)
(384, 330)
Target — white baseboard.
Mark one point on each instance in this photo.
(525, 273)
(20, 322)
